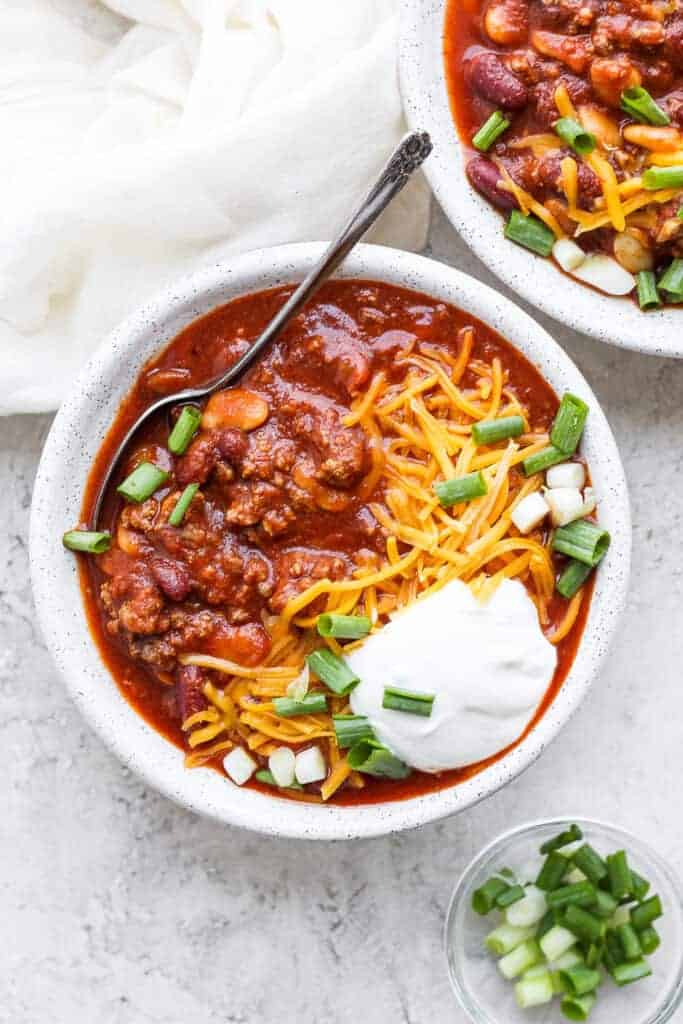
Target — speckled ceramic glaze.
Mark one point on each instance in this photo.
(71, 446)
(423, 84)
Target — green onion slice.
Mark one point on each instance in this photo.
(572, 835)
(513, 894)
(638, 103)
(530, 232)
(87, 540)
(465, 488)
(582, 894)
(343, 627)
(639, 886)
(630, 943)
(552, 872)
(580, 980)
(585, 541)
(484, 898)
(183, 503)
(619, 875)
(586, 859)
(568, 424)
(333, 671)
(491, 129)
(672, 279)
(350, 729)
(578, 1007)
(492, 431)
(649, 940)
(662, 177)
(575, 135)
(372, 758)
(543, 460)
(396, 699)
(583, 924)
(186, 426)
(573, 578)
(142, 482)
(648, 296)
(645, 913)
(311, 704)
(626, 974)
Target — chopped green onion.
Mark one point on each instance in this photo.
(534, 991)
(583, 540)
(311, 704)
(662, 177)
(268, 779)
(648, 296)
(496, 124)
(645, 913)
(514, 894)
(605, 905)
(183, 503)
(333, 671)
(568, 424)
(626, 974)
(578, 1007)
(639, 886)
(619, 875)
(543, 460)
(492, 431)
(584, 925)
(87, 540)
(613, 954)
(349, 729)
(628, 937)
(506, 937)
(396, 699)
(556, 942)
(594, 954)
(638, 103)
(484, 898)
(580, 980)
(465, 488)
(553, 871)
(547, 922)
(142, 482)
(649, 940)
(530, 232)
(186, 426)
(573, 578)
(527, 955)
(343, 627)
(583, 894)
(591, 863)
(575, 135)
(573, 835)
(373, 758)
(672, 279)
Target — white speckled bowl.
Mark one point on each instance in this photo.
(69, 452)
(425, 97)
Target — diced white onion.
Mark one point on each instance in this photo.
(567, 474)
(531, 511)
(604, 273)
(239, 766)
(529, 910)
(565, 503)
(589, 502)
(298, 688)
(568, 254)
(310, 766)
(281, 764)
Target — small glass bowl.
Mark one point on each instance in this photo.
(488, 999)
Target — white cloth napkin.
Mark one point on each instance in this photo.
(205, 128)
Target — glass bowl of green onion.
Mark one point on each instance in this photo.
(567, 919)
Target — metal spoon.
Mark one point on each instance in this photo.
(408, 156)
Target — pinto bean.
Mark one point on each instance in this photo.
(485, 177)
(612, 75)
(235, 408)
(574, 51)
(493, 80)
(507, 22)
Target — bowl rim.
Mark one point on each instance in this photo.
(627, 839)
(535, 279)
(67, 457)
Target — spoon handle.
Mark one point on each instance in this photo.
(413, 149)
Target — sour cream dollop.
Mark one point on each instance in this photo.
(488, 666)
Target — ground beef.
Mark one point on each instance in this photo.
(206, 451)
(341, 450)
(298, 569)
(544, 96)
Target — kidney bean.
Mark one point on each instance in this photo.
(172, 577)
(190, 691)
(673, 44)
(485, 176)
(493, 80)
